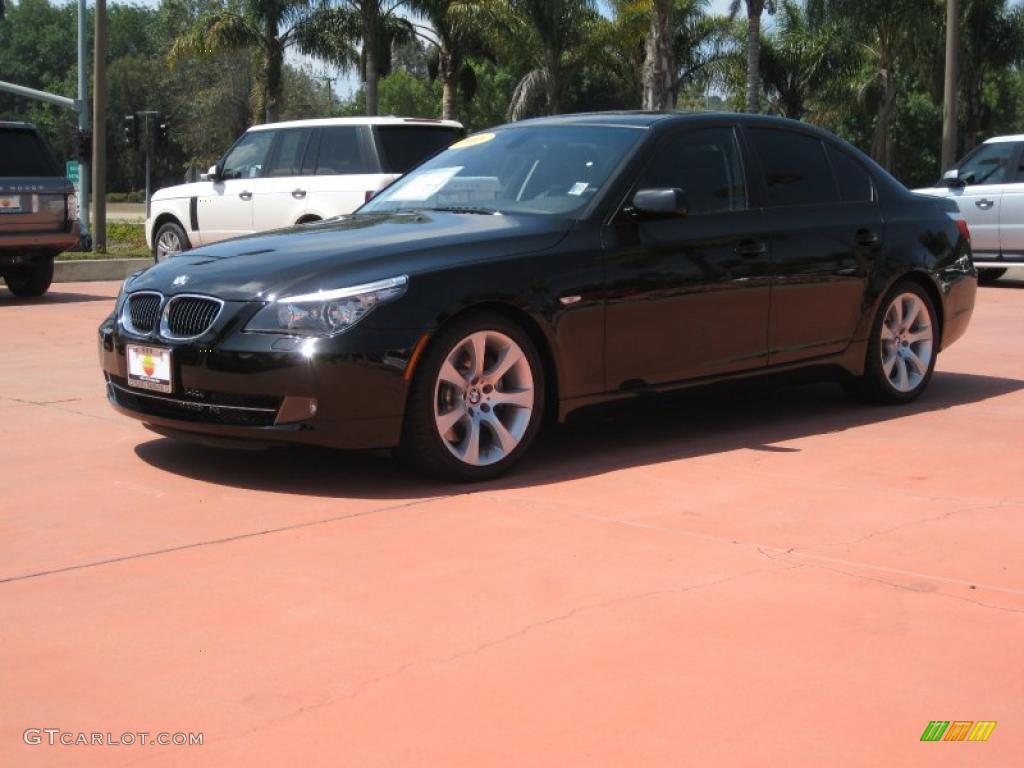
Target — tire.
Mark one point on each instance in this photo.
(466, 422)
(167, 235)
(988, 276)
(32, 279)
(901, 355)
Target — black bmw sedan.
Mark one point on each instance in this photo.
(539, 267)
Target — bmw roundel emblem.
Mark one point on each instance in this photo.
(180, 280)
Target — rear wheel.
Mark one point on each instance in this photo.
(32, 279)
(170, 240)
(902, 350)
(476, 402)
(988, 276)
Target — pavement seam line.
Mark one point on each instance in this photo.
(224, 540)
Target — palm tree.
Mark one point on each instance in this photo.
(888, 34)
(380, 27)
(550, 39)
(755, 8)
(267, 28)
(803, 61)
(452, 41)
(659, 73)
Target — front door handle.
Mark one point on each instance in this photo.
(984, 203)
(298, 194)
(867, 238)
(245, 195)
(749, 249)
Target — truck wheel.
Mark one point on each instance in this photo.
(30, 280)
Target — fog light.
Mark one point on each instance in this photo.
(295, 409)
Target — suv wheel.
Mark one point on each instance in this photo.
(170, 240)
(476, 402)
(30, 280)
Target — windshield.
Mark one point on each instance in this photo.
(548, 169)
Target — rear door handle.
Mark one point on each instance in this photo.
(298, 194)
(245, 195)
(749, 249)
(984, 203)
(867, 238)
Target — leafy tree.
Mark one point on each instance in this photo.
(453, 42)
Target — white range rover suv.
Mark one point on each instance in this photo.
(282, 174)
(988, 185)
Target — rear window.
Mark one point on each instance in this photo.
(342, 152)
(403, 147)
(795, 167)
(23, 153)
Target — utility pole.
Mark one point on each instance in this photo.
(99, 143)
(949, 109)
(83, 116)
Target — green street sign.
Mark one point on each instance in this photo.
(73, 171)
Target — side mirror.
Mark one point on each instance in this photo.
(954, 179)
(211, 175)
(658, 203)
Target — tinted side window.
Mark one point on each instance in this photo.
(855, 183)
(705, 164)
(22, 153)
(247, 158)
(342, 152)
(403, 147)
(795, 167)
(288, 152)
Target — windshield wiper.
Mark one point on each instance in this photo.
(465, 209)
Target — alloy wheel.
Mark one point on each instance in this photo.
(483, 398)
(907, 342)
(167, 245)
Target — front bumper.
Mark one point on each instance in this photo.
(347, 392)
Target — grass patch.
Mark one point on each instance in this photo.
(112, 253)
(125, 240)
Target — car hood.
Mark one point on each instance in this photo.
(192, 189)
(349, 250)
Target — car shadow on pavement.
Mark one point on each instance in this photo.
(1007, 282)
(651, 430)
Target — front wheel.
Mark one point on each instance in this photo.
(476, 402)
(902, 349)
(32, 279)
(170, 240)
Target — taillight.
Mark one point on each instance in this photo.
(965, 230)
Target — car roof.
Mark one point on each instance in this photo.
(1003, 139)
(387, 120)
(642, 119)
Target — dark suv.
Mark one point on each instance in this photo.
(38, 210)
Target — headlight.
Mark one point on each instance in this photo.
(325, 313)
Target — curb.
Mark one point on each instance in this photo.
(85, 270)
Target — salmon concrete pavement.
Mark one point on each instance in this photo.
(763, 575)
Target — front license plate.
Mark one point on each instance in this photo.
(10, 204)
(149, 368)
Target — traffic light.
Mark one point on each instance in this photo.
(131, 131)
(161, 134)
(83, 147)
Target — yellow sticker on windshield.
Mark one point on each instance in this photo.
(472, 141)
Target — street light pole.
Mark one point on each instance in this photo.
(99, 136)
(949, 109)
